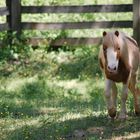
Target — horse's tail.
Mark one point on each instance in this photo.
(138, 78)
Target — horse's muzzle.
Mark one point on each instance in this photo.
(112, 70)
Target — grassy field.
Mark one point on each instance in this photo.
(58, 95)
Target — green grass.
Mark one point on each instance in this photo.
(57, 95)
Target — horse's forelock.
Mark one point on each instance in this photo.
(110, 39)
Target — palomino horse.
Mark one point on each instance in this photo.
(119, 60)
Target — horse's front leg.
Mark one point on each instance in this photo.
(110, 105)
(114, 97)
(124, 95)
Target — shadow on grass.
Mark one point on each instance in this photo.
(94, 127)
(22, 68)
(60, 105)
(86, 67)
(82, 62)
(60, 122)
(32, 96)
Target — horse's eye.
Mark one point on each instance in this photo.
(104, 48)
(118, 48)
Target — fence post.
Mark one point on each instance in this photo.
(136, 20)
(14, 19)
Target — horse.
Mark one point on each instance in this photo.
(119, 60)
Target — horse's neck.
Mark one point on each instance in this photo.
(125, 53)
(132, 40)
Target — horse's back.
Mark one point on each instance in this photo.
(133, 51)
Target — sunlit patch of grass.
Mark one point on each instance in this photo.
(15, 84)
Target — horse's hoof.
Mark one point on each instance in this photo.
(112, 112)
(137, 110)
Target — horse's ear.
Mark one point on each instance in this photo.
(117, 33)
(104, 33)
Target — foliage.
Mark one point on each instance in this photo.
(74, 18)
(72, 2)
(17, 49)
(54, 95)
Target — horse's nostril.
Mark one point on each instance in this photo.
(114, 68)
(109, 68)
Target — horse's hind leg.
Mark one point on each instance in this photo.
(110, 99)
(136, 94)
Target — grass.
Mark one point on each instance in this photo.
(55, 95)
(58, 95)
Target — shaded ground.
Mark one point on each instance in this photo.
(59, 95)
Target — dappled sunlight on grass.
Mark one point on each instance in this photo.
(36, 99)
(17, 83)
(58, 94)
(54, 96)
(71, 116)
(135, 135)
(8, 126)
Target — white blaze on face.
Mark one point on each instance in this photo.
(112, 59)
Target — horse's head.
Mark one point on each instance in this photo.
(111, 50)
